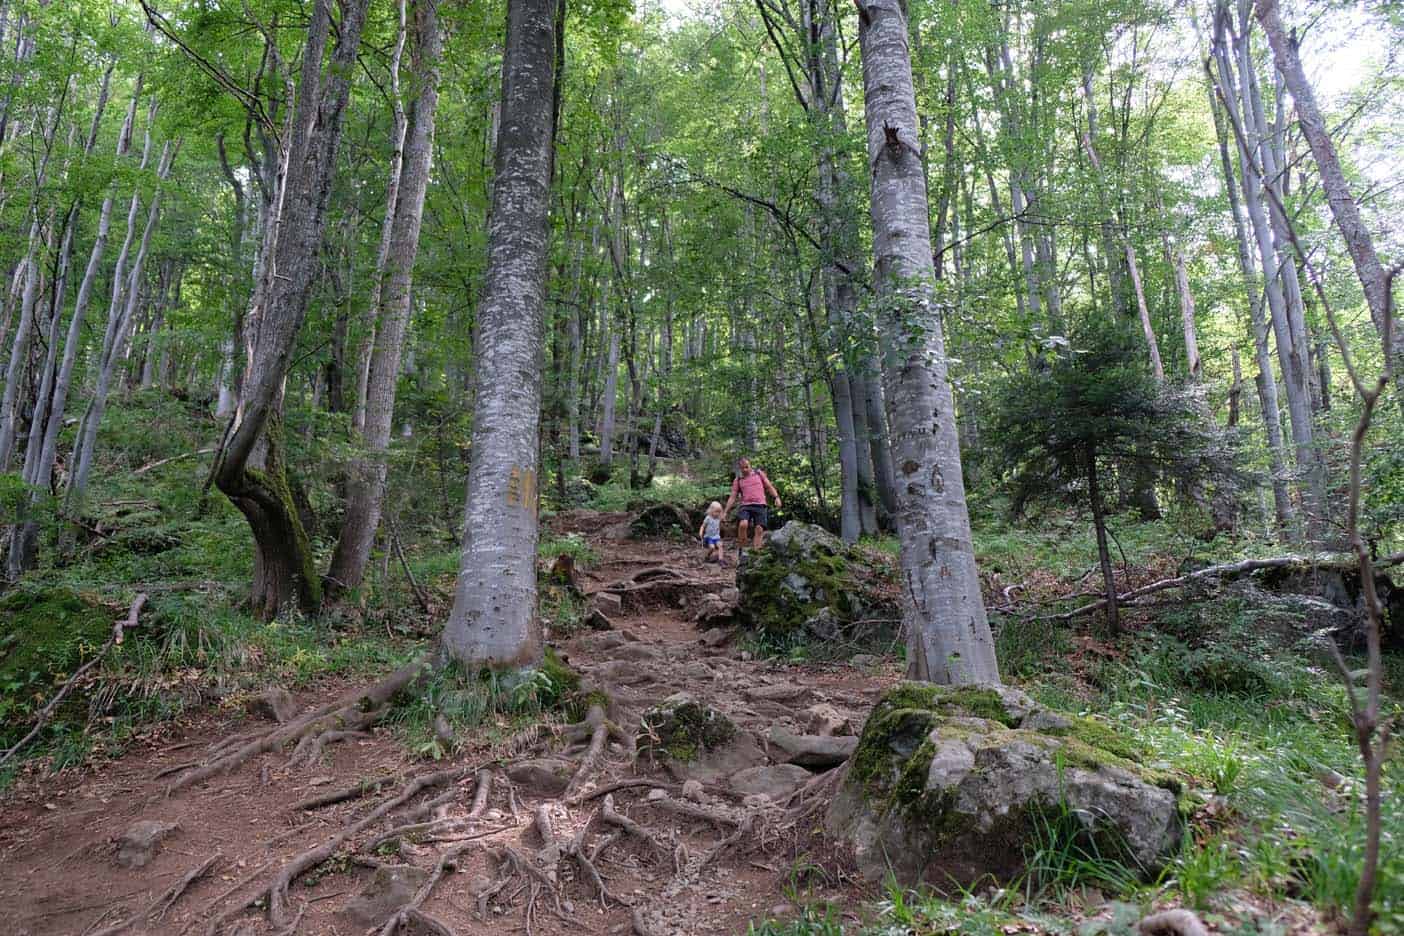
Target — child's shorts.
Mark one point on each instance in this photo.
(711, 540)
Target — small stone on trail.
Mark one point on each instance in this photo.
(389, 889)
(656, 794)
(745, 656)
(824, 719)
(864, 660)
(607, 603)
(1179, 922)
(139, 844)
(692, 789)
(697, 670)
(779, 692)
(321, 781)
(774, 782)
(274, 704)
(812, 750)
(637, 651)
(598, 620)
(715, 637)
(547, 775)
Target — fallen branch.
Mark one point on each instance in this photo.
(47, 712)
(419, 594)
(1331, 561)
(157, 464)
(162, 904)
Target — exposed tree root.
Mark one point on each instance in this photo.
(162, 905)
(612, 816)
(276, 891)
(346, 713)
(598, 729)
(447, 862)
(364, 788)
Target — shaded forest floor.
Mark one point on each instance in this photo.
(56, 834)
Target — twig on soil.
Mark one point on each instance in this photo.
(48, 711)
(330, 717)
(1229, 570)
(161, 905)
(364, 788)
(277, 890)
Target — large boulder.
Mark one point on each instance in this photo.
(949, 786)
(806, 582)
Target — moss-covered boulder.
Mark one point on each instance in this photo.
(693, 741)
(806, 581)
(951, 786)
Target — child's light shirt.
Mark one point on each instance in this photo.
(711, 526)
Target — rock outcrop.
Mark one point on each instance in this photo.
(805, 581)
(953, 785)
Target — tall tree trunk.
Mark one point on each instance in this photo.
(948, 636)
(1293, 380)
(119, 324)
(1099, 522)
(371, 317)
(610, 401)
(250, 468)
(366, 480)
(1265, 381)
(1358, 241)
(494, 618)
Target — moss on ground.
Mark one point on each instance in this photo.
(45, 634)
(683, 731)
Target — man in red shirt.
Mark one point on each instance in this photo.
(751, 486)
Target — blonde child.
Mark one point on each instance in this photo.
(710, 532)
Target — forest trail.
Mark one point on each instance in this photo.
(57, 835)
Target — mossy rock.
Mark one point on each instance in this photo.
(660, 520)
(801, 571)
(682, 729)
(45, 634)
(949, 786)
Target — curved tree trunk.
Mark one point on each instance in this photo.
(366, 483)
(494, 610)
(250, 468)
(948, 635)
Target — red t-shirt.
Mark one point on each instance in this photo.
(751, 487)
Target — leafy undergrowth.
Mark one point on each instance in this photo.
(146, 528)
(1232, 693)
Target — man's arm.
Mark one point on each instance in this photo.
(730, 501)
(770, 488)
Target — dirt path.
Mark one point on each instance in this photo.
(58, 873)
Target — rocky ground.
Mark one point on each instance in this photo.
(564, 830)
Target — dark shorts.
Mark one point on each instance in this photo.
(755, 513)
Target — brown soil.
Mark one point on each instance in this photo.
(58, 874)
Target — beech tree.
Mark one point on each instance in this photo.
(251, 467)
(494, 605)
(948, 636)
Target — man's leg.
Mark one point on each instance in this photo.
(760, 536)
(743, 532)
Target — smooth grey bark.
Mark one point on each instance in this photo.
(29, 296)
(119, 323)
(948, 635)
(49, 403)
(494, 611)
(371, 317)
(610, 400)
(1290, 363)
(1265, 381)
(366, 478)
(22, 551)
(1358, 240)
(250, 468)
